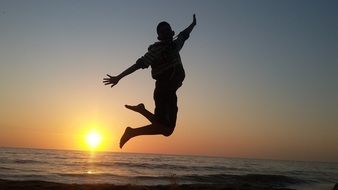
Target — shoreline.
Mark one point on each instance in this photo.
(173, 154)
(40, 185)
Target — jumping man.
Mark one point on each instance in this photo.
(167, 69)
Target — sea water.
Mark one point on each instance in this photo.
(66, 166)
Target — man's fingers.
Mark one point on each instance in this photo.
(109, 84)
(110, 80)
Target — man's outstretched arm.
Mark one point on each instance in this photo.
(191, 26)
(184, 35)
(113, 80)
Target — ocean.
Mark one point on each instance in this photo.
(64, 166)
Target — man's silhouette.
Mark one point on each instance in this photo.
(167, 69)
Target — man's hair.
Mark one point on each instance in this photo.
(168, 35)
(160, 25)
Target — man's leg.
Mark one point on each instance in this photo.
(140, 108)
(173, 109)
(152, 129)
(158, 125)
(161, 112)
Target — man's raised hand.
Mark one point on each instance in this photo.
(194, 19)
(111, 80)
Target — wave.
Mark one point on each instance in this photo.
(273, 180)
(216, 179)
(21, 161)
(6, 168)
(141, 165)
(25, 177)
(166, 166)
(88, 175)
(25, 161)
(213, 178)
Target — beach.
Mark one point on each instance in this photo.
(63, 169)
(40, 185)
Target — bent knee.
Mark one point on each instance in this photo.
(168, 132)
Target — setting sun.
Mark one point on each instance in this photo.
(93, 139)
(94, 135)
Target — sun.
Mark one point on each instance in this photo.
(93, 139)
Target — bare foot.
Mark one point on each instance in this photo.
(125, 137)
(138, 108)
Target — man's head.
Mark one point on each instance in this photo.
(164, 31)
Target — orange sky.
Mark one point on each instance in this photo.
(260, 77)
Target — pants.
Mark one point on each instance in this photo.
(166, 103)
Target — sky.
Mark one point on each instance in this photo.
(261, 76)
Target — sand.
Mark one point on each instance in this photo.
(39, 185)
